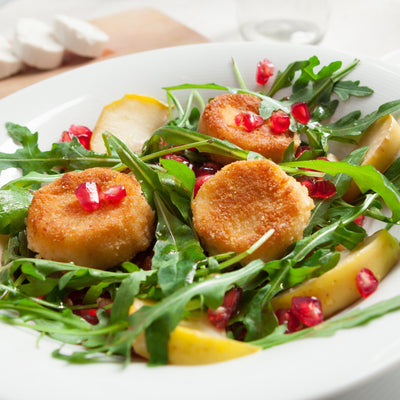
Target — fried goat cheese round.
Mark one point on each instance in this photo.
(60, 229)
(243, 201)
(218, 120)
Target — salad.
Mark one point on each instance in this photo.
(181, 284)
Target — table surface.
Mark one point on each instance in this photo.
(364, 28)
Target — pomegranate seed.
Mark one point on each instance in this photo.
(308, 183)
(208, 168)
(319, 188)
(366, 282)
(77, 130)
(285, 316)
(265, 69)
(307, 309)
(248, 120)
(231, 299)
(300, 112)
(178, 158)
(360, 220)
(323, 189)
(66, 137)
(82, 133)
(89, 195)
(199, 182)
(114, 194)
(279, 121)
(300, 150)
(89, 315)
(220, 317)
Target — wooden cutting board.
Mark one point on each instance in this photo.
(130, 31)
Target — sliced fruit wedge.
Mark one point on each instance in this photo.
(133, 119)
(196, 342)
(337, 289)
(383, 140)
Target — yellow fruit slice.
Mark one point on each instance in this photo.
(196, 342)
(336, 289)
(133, 119)
(383, 140)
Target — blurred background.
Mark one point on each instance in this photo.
(361, 27)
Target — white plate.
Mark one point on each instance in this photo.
(300, 370)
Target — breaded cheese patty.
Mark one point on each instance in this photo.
(218, 120)
(243, 201)
(60, 229)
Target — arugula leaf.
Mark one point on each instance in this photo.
(285, 78)
(178, 181)
(69, 155)
(147, 178)
(204, 143)
(126, 293)
(256, 315)
(14, 204)
(345, 89)
(74, 276)
(357, 317)
(351, 127)
(365, 176)
(31, 180)
(176, 251)
(171, 308)
(341, 182)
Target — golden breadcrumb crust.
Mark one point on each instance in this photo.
(218, 120)
(244, 200)
(60, 229)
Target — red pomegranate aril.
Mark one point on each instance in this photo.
(265, 69)
(300, 150)
(114, 194)
(323, 189)
(208, 168)
(89, 315)
(66, 137)
(285, 316)
(309, 184)
(178, 158)
(232, 298)
(319, 188)
(279, 121)
(366, 282)
(221, 316)
(248, 120)
(82, 133)
(307, 309)
(300, 112)
(199, 182)
(80, 130)
(360, 220)
(89, 195)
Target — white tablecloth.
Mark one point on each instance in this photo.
(364, 28)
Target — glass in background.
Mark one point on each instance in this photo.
(293, 21)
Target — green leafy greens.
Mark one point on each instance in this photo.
(182, 281)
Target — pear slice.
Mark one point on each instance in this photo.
(336, 289)
(383, 140)
(133, 119)
(195, 342)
